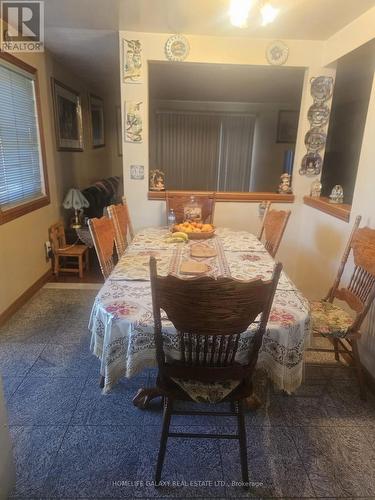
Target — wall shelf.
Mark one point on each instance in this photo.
(232, 196)
(338, 210)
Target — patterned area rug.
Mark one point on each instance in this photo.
(70, 441)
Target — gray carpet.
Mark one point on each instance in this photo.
(72, 442)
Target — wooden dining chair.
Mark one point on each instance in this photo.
(119, 216)
(178, 200)
(103, 236)
(273, 226)
(130, 224)
(63, 252)
(208, 334)
(331, 321)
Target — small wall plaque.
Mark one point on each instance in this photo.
(137, 172)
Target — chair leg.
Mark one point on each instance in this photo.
(87, 260)
(80, 266)
(336, 348)
(57, 265)
(243, 447)
(358, 367)
(163, 439)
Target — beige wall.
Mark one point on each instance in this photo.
(22, 259)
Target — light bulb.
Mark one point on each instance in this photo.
(239, 12)
(268, 14)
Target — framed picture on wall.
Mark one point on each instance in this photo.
(96, 121)
(287, 126)
(119, 130)
(68, 117)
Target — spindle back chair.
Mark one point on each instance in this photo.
(178, 200)
(273, 226)
(103, 236)
(359, 294)
(130, 224)
(119, 216)
(209, 316)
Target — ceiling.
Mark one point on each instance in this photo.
(83, 33)
(222, 82)
(298, 19)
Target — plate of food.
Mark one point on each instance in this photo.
(195, 230)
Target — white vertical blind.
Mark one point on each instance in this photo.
(20, 158)
(204, 151)
(187, 149)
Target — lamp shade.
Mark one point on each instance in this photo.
(75, 199)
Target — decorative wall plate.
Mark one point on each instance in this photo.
(318, 115)
(137, 172)
(277, 53)
(177, 48)
(321, 88)
(315, 140)
(311, 164)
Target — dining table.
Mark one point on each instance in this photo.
(121, 321)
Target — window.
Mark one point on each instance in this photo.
(23, 181)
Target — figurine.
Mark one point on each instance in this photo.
(157, 180)
(284, 186)
(337, 195)
(316, 188)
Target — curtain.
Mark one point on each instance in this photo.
(235, 153)
(204, 151)
(187, 149)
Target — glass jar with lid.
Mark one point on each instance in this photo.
(193, 210)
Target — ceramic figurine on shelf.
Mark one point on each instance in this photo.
(157, 180)
(284, 186)
(316, 188)
(337, 195)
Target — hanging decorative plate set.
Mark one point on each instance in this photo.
(318, 116)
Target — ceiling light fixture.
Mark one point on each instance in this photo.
(239, 12)
(268, 13)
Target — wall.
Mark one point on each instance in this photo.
(203, 49)
(22, 260)
(314, 241)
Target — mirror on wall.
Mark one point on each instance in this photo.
(222, 127)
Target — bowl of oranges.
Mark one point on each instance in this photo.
(195, 230)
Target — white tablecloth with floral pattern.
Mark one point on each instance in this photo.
(121, 321)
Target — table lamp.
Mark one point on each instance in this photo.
(75, 199)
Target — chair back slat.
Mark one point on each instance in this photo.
(360, 291)
(130, 223)
(103, 235)
(210, 328)
(119, 216)
(177, 201)
(273, 227)
(57, 236)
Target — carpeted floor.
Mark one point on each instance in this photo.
(72, 442)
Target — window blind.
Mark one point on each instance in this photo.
(204, 151)
(21, 177)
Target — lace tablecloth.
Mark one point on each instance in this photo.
(121, 321)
